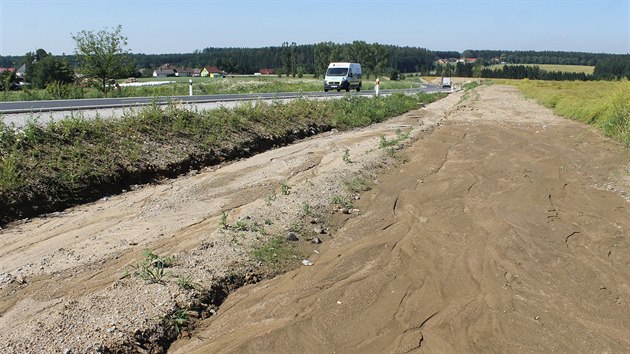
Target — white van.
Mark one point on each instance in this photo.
(446, 82)
(344, 76)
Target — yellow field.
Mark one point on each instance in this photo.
(552, 67)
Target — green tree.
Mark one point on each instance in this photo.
(40, 54)
(321, 53)
(7, 81)
(30, 60)
(294, 58)
(103, 55)
(468, 54)
(358, 52)
(50, 69)
(286, 58)
(477, 68)
(379, 56)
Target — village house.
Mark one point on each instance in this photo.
(169, 70)
(266, 72)
(212, 71)
(184, 72)
(164, 71)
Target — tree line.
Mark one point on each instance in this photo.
(312, 57)
(613, 68)
(43, 68)
(538, 57)
(533, 73)
(291, 58)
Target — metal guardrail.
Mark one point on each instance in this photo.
(18, 107)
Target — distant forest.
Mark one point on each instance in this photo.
(375, 58)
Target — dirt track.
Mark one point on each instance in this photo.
(498, 235)
(505, 231)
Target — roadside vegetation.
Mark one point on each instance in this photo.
(179, 86)
(604, 104)
(47, 167)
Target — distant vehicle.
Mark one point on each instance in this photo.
(343, 76)
(446, 82)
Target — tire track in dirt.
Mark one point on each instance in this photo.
(501, 238)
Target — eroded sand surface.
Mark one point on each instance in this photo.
(507, 231)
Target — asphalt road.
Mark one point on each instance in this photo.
(99, 103)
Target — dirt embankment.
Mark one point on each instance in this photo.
(506, 231)
(79, 281)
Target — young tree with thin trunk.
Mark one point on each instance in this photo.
(102, 55)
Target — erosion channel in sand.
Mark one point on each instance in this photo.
(506, 231)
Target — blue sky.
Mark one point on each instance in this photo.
(161, 26)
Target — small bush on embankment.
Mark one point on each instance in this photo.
(604, 104)
(45, 168)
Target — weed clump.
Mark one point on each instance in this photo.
(153, 267)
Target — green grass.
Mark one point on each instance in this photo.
(346, 156)
(341, 201)
(176, 321)
(186, 282)
(152, 268)
(276, 253)
(553, 67)
(358, 184)
(605, 104)
(400, 137)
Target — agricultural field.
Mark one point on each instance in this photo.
(553, 67)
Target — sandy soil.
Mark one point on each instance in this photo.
(506, 229)
(70, 282)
